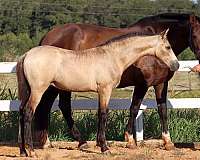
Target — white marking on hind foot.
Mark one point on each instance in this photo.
(166, 137)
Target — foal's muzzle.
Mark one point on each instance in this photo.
(174, 65)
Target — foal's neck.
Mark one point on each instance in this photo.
(126, 52)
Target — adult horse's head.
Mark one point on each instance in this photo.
(194, 39)
(165, 52)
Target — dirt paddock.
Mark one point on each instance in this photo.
(149, 149)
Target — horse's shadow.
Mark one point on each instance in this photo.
(193, 145)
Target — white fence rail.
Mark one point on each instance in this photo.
(115, 104)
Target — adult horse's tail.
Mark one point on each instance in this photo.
(23, 86)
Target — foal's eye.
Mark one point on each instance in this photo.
(168, 47)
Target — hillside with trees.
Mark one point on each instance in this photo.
(24, 22)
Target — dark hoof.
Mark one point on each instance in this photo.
(131, 146)
(23, 153)
(105, 149)
(169, 146)
(83, 146)
(106, 152)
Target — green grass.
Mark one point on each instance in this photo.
(184, 125)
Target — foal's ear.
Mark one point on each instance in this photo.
(193, 20)
(163, 34)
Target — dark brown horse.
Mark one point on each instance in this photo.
(148, 71)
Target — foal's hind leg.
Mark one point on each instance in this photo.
(65, 107)
(130, 134)
(161, 95)
(21, 129)
(29, 111)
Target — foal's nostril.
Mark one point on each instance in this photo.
(174, 65)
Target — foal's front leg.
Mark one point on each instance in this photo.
(104, 96)
(130, 134)
(161, 98)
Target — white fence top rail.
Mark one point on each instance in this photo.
(10, 67)
(184, 65)
(115, 104)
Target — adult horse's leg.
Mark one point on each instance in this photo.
(161, 98)
(65, 107)
(130, 134)
(41, 120)
(104, 96)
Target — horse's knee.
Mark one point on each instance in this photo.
(162, 110)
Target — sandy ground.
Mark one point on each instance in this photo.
(151, 149)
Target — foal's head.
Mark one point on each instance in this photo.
(195, 35)
(165, 52)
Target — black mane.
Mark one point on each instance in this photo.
(176, 17)
(125, 36)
